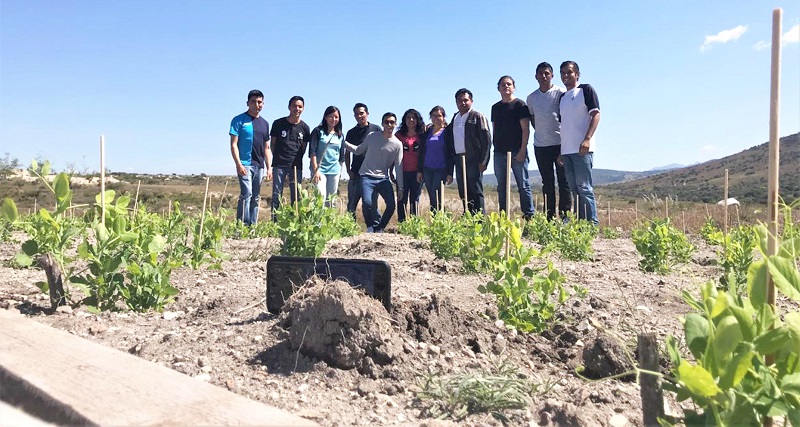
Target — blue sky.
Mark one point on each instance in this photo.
(678, 82)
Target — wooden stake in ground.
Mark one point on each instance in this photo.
(652, 397)
(609, 214)
(35, 201)
(774, 158)
(136, 200)
(636, 210)
(296, 192)
(222, 198)
(683, 213)
(507, 207)
(102, 179)
(169, 208)
(464, 180)
(725, 205)
(666, 207)
(203, 214)
(440, 196)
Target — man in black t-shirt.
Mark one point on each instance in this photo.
(511, 123)
(288, 140)
(356, 136)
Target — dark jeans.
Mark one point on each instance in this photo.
(353, 194)
(411, 192)
(370, 189)
(280, 176)
(474, 186)
(546, 160)
(520, 171)
(433, 184)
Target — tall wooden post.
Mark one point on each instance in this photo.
(102, 179)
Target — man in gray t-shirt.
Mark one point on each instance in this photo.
(381, 151)
(543, 106)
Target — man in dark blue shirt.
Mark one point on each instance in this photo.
(250, 151)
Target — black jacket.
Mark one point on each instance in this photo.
(477, 141)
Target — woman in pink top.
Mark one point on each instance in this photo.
(412, 130)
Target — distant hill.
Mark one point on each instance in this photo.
(599, 176)
(747, 177)
(668, 167)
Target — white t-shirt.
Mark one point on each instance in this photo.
(459, 126)
(543, 107)
(575, 106)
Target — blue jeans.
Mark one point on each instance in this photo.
(520, 170)
(370, 189)
(353, 194)
(279, 177)
(433, 184)
(579, 178)
(249, 194)
(411, 192)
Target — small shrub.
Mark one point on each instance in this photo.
(445, 236)
(738, 250)
(574, 239)
(305, 228)
(711, 233)
(610, 233)
(661, 245)
(414, 226)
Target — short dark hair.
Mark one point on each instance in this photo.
(255, 93)
(389, 114)
(360, 105)
(463, 91)
(513, 83)
(544, 65)
(297, 98)
(573, 63)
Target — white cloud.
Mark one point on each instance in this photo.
(723, 36)
(789, 37)
(708, 148)
(762, 45)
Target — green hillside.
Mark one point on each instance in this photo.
(747, 177)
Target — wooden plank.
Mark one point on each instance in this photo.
(88, 381)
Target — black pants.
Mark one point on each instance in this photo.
(474, 186)
(546, 160)
(410, 196)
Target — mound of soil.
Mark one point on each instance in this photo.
(340, 325)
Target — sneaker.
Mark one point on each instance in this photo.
(370, 230)
(379, 230)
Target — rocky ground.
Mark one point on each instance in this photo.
(218, 330)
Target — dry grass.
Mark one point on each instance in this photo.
(223, 191)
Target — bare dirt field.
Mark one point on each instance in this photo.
(218, 330)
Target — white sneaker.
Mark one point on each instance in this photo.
(369, 230)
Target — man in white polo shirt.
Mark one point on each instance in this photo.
(468, 136)
(580, 115)
(543, 107)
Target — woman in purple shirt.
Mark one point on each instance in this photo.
(432, 166)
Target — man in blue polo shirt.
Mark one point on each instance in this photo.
(250, 151)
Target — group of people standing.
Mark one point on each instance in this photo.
(564, 122)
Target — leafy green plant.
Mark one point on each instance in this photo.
(527, 298)
(574, 239)
(610, 233)
(445, 235)
(541, 230)
(484, 240)
(711, 233)
(730, 335)
(661, 245)
(51, 235)
(495, 389)
(414, 226)
(305, 228)
(149, 287)
(737, 253)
